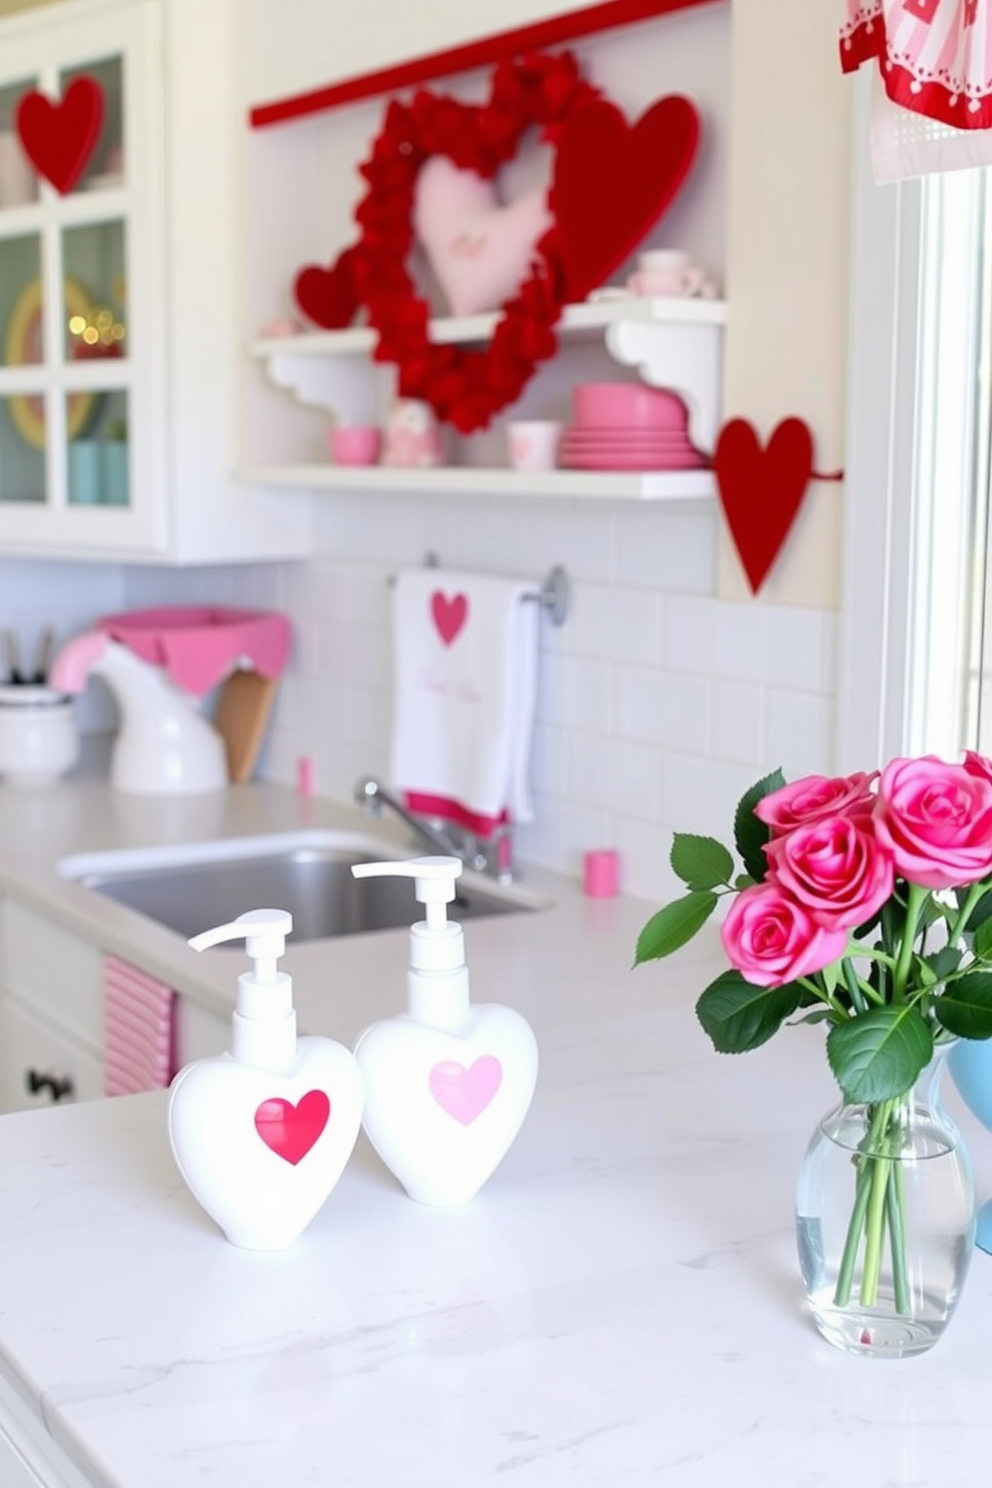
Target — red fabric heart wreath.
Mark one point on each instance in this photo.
(464, 386)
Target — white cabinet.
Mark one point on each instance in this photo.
(117, 340)
(51, 1012)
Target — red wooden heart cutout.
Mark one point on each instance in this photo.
(291, 1130)
(612, 182)
(328, 297)
(449, 614)
(761, 490)
(58, 138)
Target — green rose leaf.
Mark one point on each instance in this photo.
(672, 926)
(701, 862)
(750, 834)
(878, 1055)
(739, 1016)
(965, 1008)
(944, 961)
(983, 939)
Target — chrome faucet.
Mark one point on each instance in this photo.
(491, 855)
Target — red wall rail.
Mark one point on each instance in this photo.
(484, 52)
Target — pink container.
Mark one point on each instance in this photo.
(627, 405)
(355, 446)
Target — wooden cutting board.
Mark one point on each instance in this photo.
(241, 718)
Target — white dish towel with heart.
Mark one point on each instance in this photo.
(464, 691)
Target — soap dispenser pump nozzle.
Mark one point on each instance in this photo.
(437, 981)
(264, 1024)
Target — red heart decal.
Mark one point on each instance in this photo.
(449, 615)
(761, 490)
(291, 1130)
(58, 138)
(612, 182)
(329, 297)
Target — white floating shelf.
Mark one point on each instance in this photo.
(587, 317)
(468, 482)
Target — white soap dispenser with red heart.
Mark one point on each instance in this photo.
(262, 1134)
(448, 1084)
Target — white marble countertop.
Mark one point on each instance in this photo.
(620, 1305)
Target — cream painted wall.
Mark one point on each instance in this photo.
(787, 265)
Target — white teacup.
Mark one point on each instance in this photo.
(532, 444)
(663, 272)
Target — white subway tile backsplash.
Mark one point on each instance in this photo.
(741, 647)
(615, 624)
(701, 795)
(799, 734)
(662, 709)
(688, 629)
(612, 773)
(738, 723)
(666, 549)
(583, 544)
(659, 704)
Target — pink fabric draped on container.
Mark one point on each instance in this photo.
(934, 56)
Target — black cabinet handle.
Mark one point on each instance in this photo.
(59, 1087)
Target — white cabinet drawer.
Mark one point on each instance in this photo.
(32, 1054)
(199, 1034)
(47, 968)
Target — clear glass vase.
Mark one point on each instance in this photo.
(885, 1221)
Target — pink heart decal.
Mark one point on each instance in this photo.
(449, 615)
(465, 1093)
(59, 138)
(290, 1131)
(479, 250)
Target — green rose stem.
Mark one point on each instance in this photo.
(879, 1198)
(915, 900)
(896, 1211)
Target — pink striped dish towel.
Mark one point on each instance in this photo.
(137, 1030)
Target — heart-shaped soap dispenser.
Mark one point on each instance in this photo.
(447, 1085)
(262, 1134)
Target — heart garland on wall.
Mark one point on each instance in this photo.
(59, 137)
(761, 488)
(589, 235)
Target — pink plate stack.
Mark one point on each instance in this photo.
(627, 426)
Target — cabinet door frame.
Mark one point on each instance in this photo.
(39, 46)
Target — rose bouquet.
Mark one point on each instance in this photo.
(863, 902)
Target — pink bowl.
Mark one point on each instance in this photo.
(355, 446)
(627, 405)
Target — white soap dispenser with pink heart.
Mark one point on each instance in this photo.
(447, 1084)
(262, 1134)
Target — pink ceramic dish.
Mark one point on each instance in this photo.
(630, 460)
(627, 404)
(355, 446)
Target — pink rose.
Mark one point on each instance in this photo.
(978, 765)
(814, 797)
(836, 868)
(936, 819)
(771, 938)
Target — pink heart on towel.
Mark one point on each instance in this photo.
(465, 1093)
(449, 614)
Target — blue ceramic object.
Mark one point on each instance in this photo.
(970, 1066)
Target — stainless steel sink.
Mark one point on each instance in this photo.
(195, 886)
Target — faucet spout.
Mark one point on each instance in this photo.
(489, 855)
(373, 796)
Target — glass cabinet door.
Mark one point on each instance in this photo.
(64, 432)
